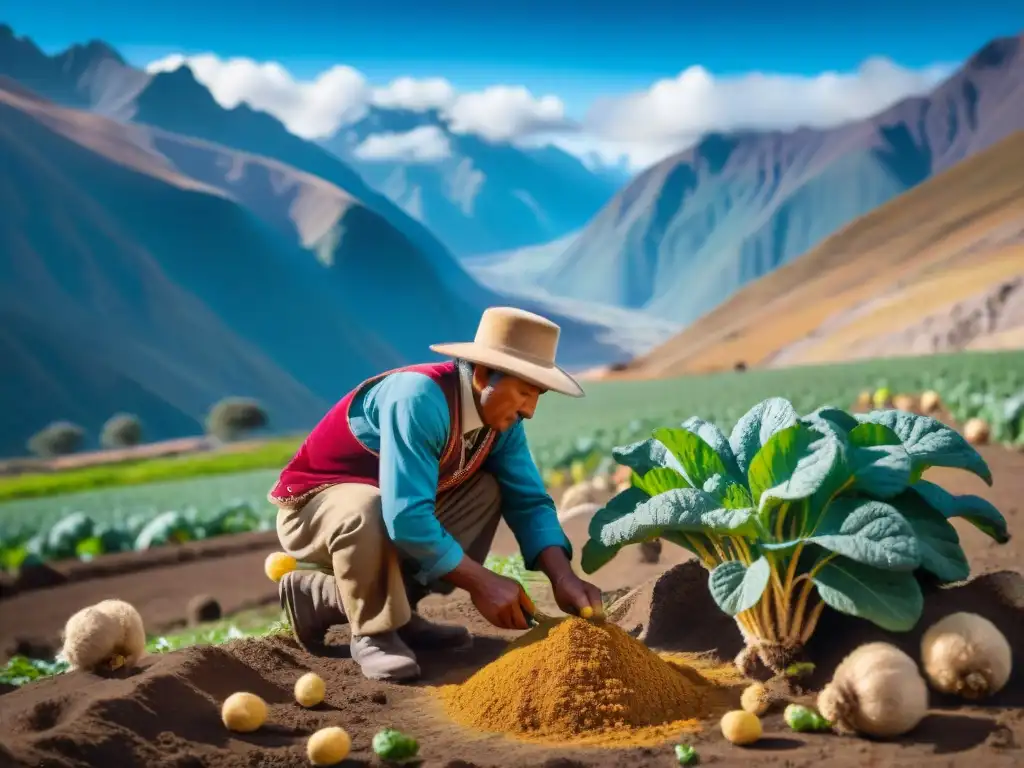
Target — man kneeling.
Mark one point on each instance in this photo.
(399, 490)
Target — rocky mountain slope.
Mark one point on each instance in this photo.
(475, 194)
(687, 233)
(938, 269)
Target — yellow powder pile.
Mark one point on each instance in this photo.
(571, 680)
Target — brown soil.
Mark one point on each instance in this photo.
(166, 712)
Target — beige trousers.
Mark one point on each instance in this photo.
(341, 530)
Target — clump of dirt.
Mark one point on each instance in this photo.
(661, 613)
(572, 680)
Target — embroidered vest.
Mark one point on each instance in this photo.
(332, 454)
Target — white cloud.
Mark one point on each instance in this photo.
(503, 113)
(416, 95)
(420, 145)
(679, 110)
(310, 109)
(644, 126)
(317, 108)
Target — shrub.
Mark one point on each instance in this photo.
(791, 514)
(58, 439)
(121, 431)
(233, 416)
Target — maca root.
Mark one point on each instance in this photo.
(765, 659)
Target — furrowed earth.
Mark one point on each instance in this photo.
(166, 712)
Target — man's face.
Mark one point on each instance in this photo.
(504, 399)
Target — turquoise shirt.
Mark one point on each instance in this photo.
(404, 418)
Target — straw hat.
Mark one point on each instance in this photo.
(519, 343)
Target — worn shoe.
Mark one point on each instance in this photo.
(384, 657)
(310, 601)
(421, 634)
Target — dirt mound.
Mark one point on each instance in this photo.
(675, 612)
(587, 682)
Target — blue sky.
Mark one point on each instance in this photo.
(574, 49)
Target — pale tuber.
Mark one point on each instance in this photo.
(104, 636)
(741, 727)
(243, 712)
(930, 401)
(755, 699)
(328, 746)
(977, 431)
(966, 654)
(876, 691)
(310, 689)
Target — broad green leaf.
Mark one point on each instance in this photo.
(730, 494)
(714, 437)
(736, 588)
(890, 599)
(937, 539)
(620, 504)
(931, 443)
(793, 464)
(645, 455)
(974, 509)
(757, 426)
(878, 461)
(685, 509)
(868, 532)
(698, 459)
(836, 416)
(868, 435)
(659, 480)
(595, 555)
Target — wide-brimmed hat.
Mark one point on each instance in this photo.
(519, 343)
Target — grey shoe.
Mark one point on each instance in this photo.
(310, 601)
(384, 657)
(421, 634)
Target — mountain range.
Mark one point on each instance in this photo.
(685, 234)
(478, 196)
(166, 252)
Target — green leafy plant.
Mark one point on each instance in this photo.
(790, 514)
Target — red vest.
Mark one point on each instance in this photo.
(332, 454)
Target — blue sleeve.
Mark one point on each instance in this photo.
(526, 505)
(413, 416)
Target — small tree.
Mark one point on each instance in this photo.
(58, 439)
(121, 431)
(233, 416)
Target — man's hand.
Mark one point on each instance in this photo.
(499, 599)
(572, 594)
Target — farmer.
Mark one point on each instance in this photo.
(398, 492)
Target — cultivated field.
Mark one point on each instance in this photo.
(216, 532)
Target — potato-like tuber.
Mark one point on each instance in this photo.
(906, 403)
(278, 564)
(877, 691)
(243, 712)
(310, 689)
(977, 431)
(930, 401)
(328, 746)
(966, 654)
(741, 727)
(104, 636)
(756, 699)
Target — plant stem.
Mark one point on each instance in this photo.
(812, 622)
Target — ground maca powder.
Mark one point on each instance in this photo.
(571, 680)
